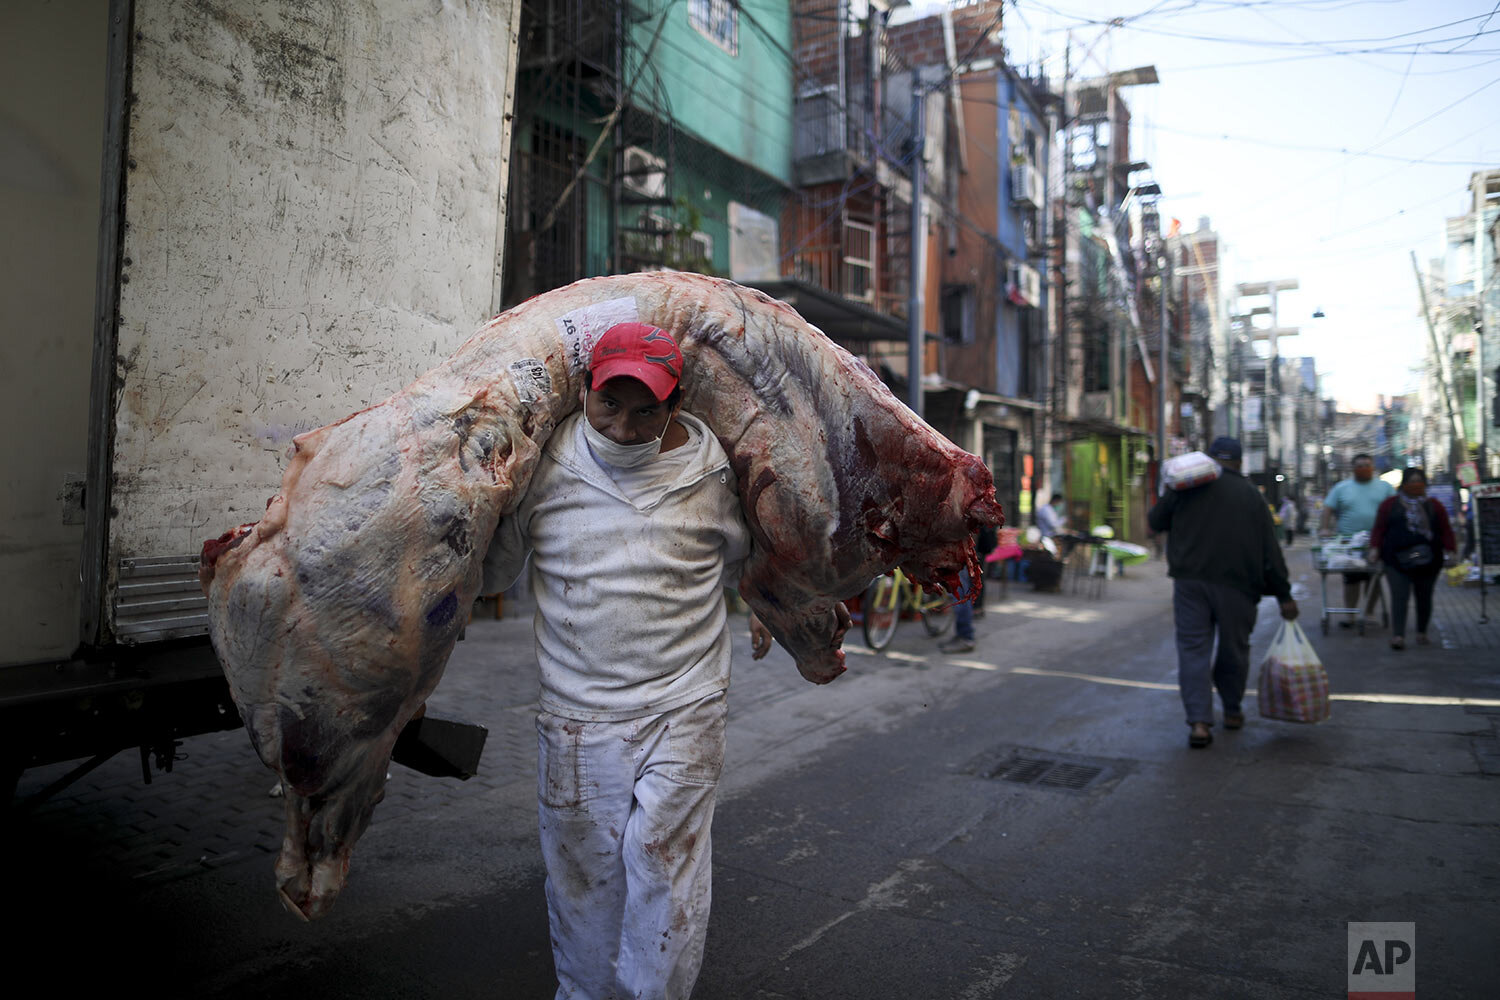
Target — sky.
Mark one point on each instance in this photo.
(1326, 140)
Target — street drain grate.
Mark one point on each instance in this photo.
(1023, 770)
(1045, 770)
(1051, 773)
(1073, 776)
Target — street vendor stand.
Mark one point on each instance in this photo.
(997, 563)
(1349, 555)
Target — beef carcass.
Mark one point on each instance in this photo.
(334, 615)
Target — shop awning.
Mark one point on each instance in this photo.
(842, 319)
(936, 383)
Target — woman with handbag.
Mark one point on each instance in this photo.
(1411, 534)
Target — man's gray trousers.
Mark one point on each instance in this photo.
(1202, 610)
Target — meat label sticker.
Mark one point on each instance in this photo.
(531, 379)
(582, 328)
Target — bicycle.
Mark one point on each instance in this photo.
(888, 596)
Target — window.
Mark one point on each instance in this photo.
(644, 245)
(1027, 376)
(699, 248)
(718, 21)
(859, 261)
(1096, 350)
(958, 314)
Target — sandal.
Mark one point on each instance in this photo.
(1200, 736)
(1234, 720)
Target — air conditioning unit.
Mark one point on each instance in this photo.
(1028, 188)
(1025, 286)
(645, 174)
(1031, 285)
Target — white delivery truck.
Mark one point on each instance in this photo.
(224, 224)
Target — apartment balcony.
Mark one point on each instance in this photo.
(1097, 406)
(833, 141)
(831, 268)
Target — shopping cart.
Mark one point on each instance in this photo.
(1345, 556)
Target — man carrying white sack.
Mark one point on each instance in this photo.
(1222, 555)
(634, 528)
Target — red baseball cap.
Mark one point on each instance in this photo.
(640, 351)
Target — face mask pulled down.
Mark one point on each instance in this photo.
(621, 456)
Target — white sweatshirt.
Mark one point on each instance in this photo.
(630, 614)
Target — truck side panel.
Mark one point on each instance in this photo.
(52, 112)
(312, 218)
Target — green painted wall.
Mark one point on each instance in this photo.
(732, 115)
(708, 181)
(704, 180)
(740, 103)
(1104, 485)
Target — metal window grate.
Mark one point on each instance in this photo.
(157, 598)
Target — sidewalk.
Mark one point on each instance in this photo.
(1460, 612)
(1459, 671)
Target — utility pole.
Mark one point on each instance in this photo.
(1271, 390)
(915, 332)
(1442, 359)
(1483, 183)
(1061, 235)
(1161, 379)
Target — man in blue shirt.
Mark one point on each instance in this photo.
(1048, 520)
(1350, 507)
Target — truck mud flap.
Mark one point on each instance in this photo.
(440, 748)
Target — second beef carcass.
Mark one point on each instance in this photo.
(335, 614)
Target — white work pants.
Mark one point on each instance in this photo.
(625, 810)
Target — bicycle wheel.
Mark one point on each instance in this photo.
(936, 612)
(880, 612)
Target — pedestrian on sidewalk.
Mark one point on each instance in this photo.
(1469, 535)
(963, 620)
(1350, 506)
(1049, 519)
(965, 612)
(1222, 555)
(633, 528)
(1052, 523)
(1410, 530)
(1288, 515)
(987, 541)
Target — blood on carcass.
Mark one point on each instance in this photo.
(334, 615)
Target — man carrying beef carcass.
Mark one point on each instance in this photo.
(633, 526)
(1222, 555)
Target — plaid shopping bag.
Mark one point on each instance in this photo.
(1293, 684)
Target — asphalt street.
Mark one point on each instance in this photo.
(1022, 821)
